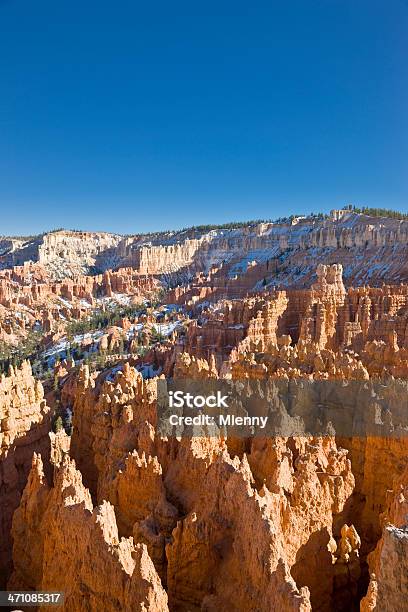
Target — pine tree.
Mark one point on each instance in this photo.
(58, 425)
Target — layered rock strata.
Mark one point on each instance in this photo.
(371, 249)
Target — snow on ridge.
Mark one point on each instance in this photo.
(165, 329)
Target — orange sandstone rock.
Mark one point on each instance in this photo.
(24, 427)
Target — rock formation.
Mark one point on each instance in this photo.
(371, 250)
(189, 502)
(58, 527)
(24, 427)
(30, 300)
(123, 515)
(388, 588)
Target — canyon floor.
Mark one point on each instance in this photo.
(306, 318)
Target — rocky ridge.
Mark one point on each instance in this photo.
(371, 250)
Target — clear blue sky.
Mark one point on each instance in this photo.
(131, 116)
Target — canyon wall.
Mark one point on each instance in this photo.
(62, 252)
(371, 250)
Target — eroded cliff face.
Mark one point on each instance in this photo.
(371, 250)
(63, 252)
(364, 246)
(24, 427)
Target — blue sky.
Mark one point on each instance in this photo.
(133, 116)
